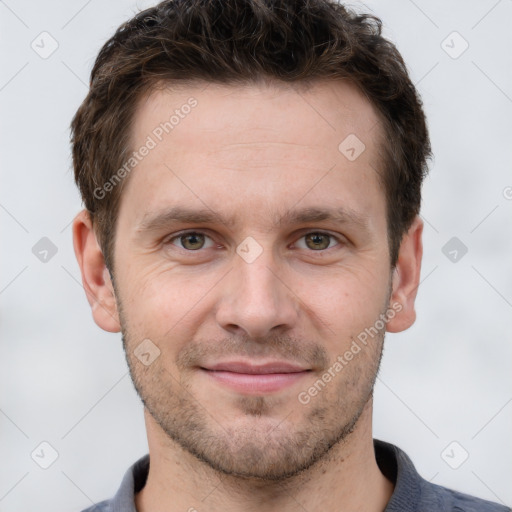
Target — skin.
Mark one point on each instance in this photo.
(255, 153)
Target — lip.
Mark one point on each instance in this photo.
(248, 378)
(256, 369)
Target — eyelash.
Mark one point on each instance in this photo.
(169, 241)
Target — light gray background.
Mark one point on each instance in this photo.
(447, 378)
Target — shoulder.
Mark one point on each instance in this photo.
(415, 494)
(449, 500)
(103, 506)
(133, 481)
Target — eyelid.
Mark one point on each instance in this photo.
(168, 240)
(308, 231)
(303, 232)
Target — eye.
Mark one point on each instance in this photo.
(191, 241)
(317, 240)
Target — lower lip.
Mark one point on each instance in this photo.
(260, 383)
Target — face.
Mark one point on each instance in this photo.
(251, 255)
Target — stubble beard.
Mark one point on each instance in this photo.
(260, 444)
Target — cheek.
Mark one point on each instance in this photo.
(163, 305)
(345, 300)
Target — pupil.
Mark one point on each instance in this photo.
(192, 239)
(317, 240)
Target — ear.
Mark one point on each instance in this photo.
(95, 275)
(406, 278)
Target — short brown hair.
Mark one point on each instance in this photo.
(238, 42)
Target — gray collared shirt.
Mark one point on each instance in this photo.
(412, 493)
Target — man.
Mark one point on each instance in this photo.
(251, 172)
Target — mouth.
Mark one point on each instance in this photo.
(247, 378)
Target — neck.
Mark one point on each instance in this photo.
(346, 479)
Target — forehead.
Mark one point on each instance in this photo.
(260, 109)
(254, 147)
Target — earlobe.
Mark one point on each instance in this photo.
(406, 279)
(95, 275)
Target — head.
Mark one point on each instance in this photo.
(288, 141)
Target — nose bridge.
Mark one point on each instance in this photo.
(257, 276)
(256, 299)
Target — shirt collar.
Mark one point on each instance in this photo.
(133, 481)
(392, 461)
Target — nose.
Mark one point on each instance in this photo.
(256, 299)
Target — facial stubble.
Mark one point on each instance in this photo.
(260, 443)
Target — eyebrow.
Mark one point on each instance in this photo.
(180, 214)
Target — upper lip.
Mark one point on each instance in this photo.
(249, 368)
